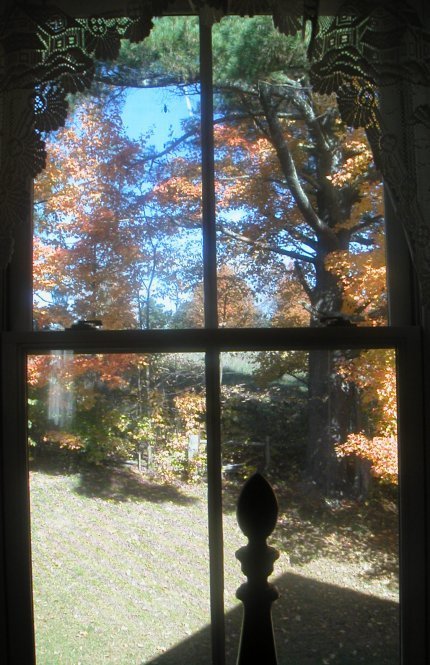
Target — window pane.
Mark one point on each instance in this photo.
(117, 210)
(299, 202)
(322, 427)
(118, 508)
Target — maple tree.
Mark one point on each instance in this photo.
(373, 372)
(80, 253)
(236, 302)
(102, 249)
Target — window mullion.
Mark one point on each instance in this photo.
(208, 178)
(212, 368)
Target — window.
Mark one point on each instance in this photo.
(285, 348)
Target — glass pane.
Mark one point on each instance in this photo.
(299, 201)
(117, 212)
(321, 426)
(118, 508)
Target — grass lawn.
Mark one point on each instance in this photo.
(120, 569)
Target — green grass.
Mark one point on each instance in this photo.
(116, 580)
(121, 572)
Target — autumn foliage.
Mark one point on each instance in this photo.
(374, 372)
(300, 240)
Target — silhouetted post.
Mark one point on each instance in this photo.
(257, 511)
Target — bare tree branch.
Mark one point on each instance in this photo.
(289, 169)
(298, 270)
(266, 246)
(367, 222)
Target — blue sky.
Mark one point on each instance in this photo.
(160, 108)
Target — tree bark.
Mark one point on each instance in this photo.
(332, 398)
(332, 416)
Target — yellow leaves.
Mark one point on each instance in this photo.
(358, 161)
(226, 135)
(292, 308)
(262, 149)
(64, 440)
(191, 409)
(235, 300)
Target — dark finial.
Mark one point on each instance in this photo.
(257, 508)
(257, 511)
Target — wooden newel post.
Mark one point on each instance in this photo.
(257, 511)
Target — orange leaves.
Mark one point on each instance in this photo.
(177, 189)
(356, 164)
(244, 166)
(236, 306)
(374, 373)
(64, 440)
(291, 304)
(235, 300)
(46, 261)
(37, 370)
(363, 281)
(113, 370)
(92, 250)
(227, 136)
(380, 451)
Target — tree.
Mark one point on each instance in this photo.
(373, 372)
(97, 408)
(236, 304)
(296, 190)
(83, 218)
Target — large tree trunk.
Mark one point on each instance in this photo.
(326, 214)
(332, 399)
(332, 416)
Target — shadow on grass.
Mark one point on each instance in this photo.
(314, 623)
(117, 484)
(113, 483)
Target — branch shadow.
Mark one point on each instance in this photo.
(314, 622)
(308, 528)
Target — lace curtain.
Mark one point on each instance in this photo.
(374, 55)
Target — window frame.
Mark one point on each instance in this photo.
(211, 340)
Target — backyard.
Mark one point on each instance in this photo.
(120, 566)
